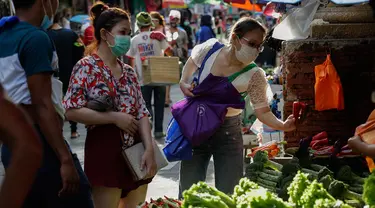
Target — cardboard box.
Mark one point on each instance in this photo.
(158, 70)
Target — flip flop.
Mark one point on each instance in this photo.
(75, 136)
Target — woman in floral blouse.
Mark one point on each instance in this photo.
(101, 78)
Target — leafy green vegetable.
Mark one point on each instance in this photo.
(314, 192)
(202, 200)
(243, 187)
(261, 198)
(369, 190)
(326, 203)
(340, 190)
(297, 187)
(262, 157)
(326, 181)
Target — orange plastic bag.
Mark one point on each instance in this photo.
(367, 133)
(328, 88)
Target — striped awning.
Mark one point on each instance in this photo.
(334, 1)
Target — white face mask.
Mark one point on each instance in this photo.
(246, 54)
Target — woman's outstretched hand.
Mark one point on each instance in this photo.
(290, 124)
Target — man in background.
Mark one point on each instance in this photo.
(143, 45)
(179, 41)
(70, 49)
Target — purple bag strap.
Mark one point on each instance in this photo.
(214, 48)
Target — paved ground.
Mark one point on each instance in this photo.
(166, 181)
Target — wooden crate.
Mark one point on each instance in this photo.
(159, 70)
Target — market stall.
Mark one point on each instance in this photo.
(328, 73)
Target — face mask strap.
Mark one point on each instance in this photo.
(111, 46)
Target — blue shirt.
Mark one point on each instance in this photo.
(25, 50)
(204, 34)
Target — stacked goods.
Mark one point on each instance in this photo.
(277, 178)
(246, 194)
(264, 172)
(306, 194)
(320, 147)
(272, 149)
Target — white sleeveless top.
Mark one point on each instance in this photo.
(253, 81)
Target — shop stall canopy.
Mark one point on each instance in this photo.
(334, 1)
(174, 4)
(212, 2)
(244, 4)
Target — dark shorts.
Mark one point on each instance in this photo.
(44, 191)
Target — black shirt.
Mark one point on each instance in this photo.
(69, 52)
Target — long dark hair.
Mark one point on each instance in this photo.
(104, 17)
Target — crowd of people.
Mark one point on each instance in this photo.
(97, 81)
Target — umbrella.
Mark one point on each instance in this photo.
(82, 19)
(244, 4)
(174, 4)
(212, 2)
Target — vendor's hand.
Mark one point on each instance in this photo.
(356, 143)
(289, 124)
(149, 163)
(186, 89)
(157, 35)
(126, 122)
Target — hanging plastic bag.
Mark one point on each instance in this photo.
(328, 89)
(367, 133)
(177, 145)
(297, 24)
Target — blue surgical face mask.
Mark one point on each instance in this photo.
(46, 22)
(121, 46)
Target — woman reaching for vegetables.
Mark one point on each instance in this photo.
(230, 70)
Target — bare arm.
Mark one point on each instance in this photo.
(358, 145)
(145, 133)
(258, 96)
(46, 116)
(90, 117)
(266, 116)
(50, 124)
(188, 71)
(26, 154)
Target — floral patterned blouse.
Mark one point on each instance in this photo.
(88, 82)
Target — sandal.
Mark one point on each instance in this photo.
(74, 135)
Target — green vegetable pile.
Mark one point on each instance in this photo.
(202, 195)
(369, 190)
(306, 194)
(264, 172)
(247, 194)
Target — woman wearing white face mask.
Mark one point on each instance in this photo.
(105, 95)
(227, 67)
